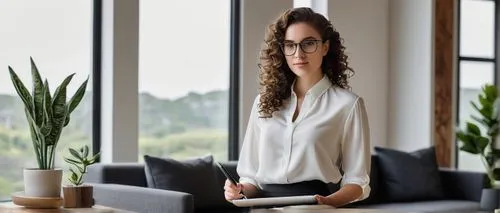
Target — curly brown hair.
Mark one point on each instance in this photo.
(276, 78)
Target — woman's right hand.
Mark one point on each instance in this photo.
(231, 191)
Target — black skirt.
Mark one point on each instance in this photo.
(296, 189)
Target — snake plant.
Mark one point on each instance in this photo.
(47, 114)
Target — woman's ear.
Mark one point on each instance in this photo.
(326, 47)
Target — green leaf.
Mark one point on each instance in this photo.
(80, 169)
(484, 121)
(74, 177)
(22, 91)
(75, 154)
(75, 100)
(487, 111)
(94, 158)
(477, 108)
(34, 139)
(60, 94)
(38, 94)
(481, 143)
(59, 111)
(491, 92)
(47, 110)
(31, 121)
(42, 145)
(78, 96)
(482, 100)
(469, 149)
(85, 152)
(473, 129)
(71, 161)
(462, 136)
(66, 122)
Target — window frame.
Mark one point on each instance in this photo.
(234, 81)
(460, 58)
(96, 76)
(234, 78)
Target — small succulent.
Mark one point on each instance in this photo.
(80, 162)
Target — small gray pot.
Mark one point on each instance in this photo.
(490, 199)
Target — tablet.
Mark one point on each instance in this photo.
(275, 201)
(227, 174)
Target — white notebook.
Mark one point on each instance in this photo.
(275, 201)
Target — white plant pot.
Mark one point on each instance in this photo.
(42, 183)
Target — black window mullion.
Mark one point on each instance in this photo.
(457, 91)
(96, 76)
(495, 42)
(234, 76)
(464, 58)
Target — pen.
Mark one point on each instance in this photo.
(230, 177)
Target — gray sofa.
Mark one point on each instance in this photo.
(124, 186)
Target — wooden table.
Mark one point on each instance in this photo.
(321, 209)
(9, 207)
(327, 209)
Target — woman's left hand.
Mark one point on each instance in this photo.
(347, 194)
(322, 200)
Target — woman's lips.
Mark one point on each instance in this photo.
(300, 64)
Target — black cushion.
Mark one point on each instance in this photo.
(376, 192)
(410, 176)
(194, 176)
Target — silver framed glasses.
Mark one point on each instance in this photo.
(307, 46)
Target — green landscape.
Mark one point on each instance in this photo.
(190, 126)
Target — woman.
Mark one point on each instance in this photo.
(306, 128)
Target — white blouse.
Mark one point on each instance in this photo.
(330, 132)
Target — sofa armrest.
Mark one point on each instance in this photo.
(142, 199)
(462, 185)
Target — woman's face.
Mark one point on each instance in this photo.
(304, 50)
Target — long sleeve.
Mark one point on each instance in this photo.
(356, 154)
(248, 162)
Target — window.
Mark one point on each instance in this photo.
(58, 35)
(184, 78)
(476, 63)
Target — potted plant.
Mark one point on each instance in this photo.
(79, 195)
(484, 143)
(47, 115)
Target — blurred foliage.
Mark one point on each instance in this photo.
(191, 126)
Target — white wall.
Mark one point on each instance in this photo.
(364, 27)
(319, 6)
(411, 74)
(256, 15)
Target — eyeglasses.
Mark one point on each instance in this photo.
(307, 46)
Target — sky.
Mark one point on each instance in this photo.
(176, 57)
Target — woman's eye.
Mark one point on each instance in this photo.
(289, 45)
(308, 43)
